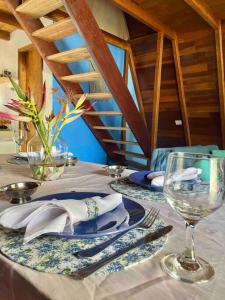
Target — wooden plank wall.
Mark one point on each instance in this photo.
(199, 68)
(144, 50)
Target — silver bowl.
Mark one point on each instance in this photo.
(71, 161)
(20, 192)
(115, 171)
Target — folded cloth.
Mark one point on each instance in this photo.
(152, 175)
(158, 181)
(157, 178)
(186, 174)
(58, 216)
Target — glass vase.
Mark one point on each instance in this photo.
(47, 163)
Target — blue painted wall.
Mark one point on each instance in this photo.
(82, 143)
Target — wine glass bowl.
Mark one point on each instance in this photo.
(194, 187)
(19, 135)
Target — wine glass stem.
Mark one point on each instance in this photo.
(187, 259)
(190, 249)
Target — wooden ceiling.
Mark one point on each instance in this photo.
(177, 15)
(218, 7)
(174, 13)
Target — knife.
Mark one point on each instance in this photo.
(86, 271)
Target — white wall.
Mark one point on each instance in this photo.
(9, 61)
(9, 51)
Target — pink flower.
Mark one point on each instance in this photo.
(7, 116)
(43, 100)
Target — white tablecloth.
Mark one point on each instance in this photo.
(143, 281)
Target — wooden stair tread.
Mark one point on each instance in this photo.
(105, 113)
(83, 77)
(110, 128)
(120, 142)
(127, 153)
(56, 31)
(69, 56)
(38, 8)
(96, 96)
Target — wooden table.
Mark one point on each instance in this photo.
(143, 281)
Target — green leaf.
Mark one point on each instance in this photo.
(80, 101)
(18, 90)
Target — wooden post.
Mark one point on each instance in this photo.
(157, 87)
(125, 76)
(181, 92)
(136, 83)
(220, 73)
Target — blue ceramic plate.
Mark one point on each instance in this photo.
(140, 178)
(88, 229)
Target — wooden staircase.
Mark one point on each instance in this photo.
(81, 20)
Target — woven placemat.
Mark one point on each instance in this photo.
(55, 255)
(128, 188)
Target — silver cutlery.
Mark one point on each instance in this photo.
(145, 224)
(86, 271)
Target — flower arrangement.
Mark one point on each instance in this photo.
(47, 127)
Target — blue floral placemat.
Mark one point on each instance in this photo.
(55, 255)
(128, 188)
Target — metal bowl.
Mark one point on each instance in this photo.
(20, 192)
(71, 161)
(115, 171)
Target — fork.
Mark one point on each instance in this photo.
(146, 223)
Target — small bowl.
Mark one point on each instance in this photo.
(71, 161)
(20, 192)
(115, 171)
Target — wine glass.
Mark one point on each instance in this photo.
(194, 187)
(19, 134)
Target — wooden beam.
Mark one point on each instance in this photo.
(8, 19)
(114, 40)
(157, 88)
(180, 85)
(4, 35)
(136, 83)
(148, 19)
(220, 73)
(87, 26)
(45, 49)
(204, 11)
(125, 77)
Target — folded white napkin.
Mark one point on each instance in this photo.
(157, 179)
(57, 216)
(186, 174)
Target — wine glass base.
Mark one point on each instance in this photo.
(172, 267)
